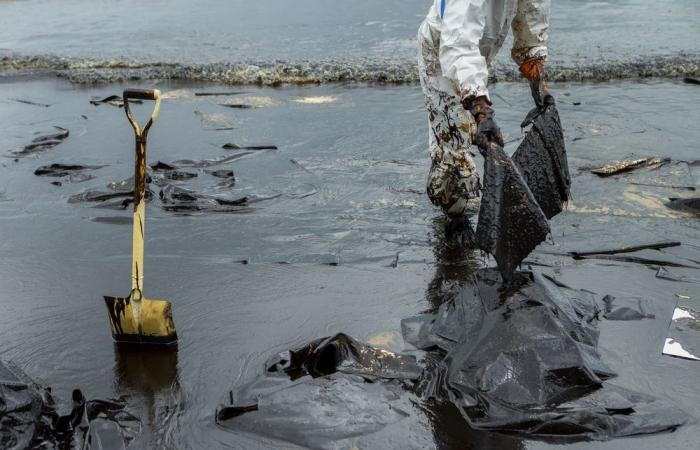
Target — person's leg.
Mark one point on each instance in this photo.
(453, 178)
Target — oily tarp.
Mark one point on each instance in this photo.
(525, 361)
(521, 193)
(29, 418)
(518, 362)
(325, 393)
(511, 223)
(541, 158)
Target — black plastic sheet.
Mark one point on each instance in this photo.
(21, 404)
(522, 360)
(525, 362)
(511, 223)
(30, 419)
(323, 394)
(541, 158)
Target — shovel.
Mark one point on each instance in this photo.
(136, 319)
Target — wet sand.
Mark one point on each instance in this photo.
(350, 169)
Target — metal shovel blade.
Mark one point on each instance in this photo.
(141, 321)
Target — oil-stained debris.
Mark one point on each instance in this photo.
(43, 142)
(174, 198)
(625, 309)
(63, 170)
(30, 418)
(200, 163)
(221, 173)
(29, 102)
(626, 249)
(164, 172)
(230, 146)
(689, 205)
(236, 105)
(541, 159)
(639, 260)
(123, 189)
(525, 361)
(511, 223)
(79, 177)
(101, 196)
(113, 100)
(162, 178)
(627, 165)
(113, 220)
(59, 136)
(213, 94)
(359, 386)
(342, 353)
(159, 165)
(683, 338)
(662, 184)
(519, 361)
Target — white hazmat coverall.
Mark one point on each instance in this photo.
(457, 42)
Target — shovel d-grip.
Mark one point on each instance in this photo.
(136, 319)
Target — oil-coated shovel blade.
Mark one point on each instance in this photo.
(141, 322)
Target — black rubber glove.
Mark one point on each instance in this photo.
(487, 131)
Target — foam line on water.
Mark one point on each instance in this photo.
(272, 73)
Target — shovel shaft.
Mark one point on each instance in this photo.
(140, 181)
(138, 234)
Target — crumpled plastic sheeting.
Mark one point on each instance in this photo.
(541, 158)
(511, 223)
(29, 419)
(21, 404)
(177, 199)
(323, 394)
(526, 362)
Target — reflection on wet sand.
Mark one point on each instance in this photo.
(151, 377)
(454, 263)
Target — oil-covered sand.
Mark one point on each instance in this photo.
(343, 240)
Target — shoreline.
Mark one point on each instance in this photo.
(87, 71)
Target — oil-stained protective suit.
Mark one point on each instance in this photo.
(457, 42)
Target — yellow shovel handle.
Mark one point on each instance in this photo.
(141, 94)
(140, 179)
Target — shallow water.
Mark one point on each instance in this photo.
(352, 199)
(609, 40)
(211, 31)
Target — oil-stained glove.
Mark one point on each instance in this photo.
(533, 70)
(486, 129)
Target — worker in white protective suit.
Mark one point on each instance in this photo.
(457, 42)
